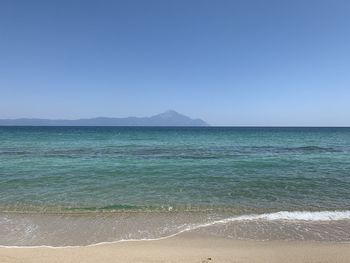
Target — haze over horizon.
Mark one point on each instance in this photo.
(239, 63)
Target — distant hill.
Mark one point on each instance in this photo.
(168, 118)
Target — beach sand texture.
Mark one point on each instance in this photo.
(186, 248)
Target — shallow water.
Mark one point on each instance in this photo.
(168, 174)
(93, 228)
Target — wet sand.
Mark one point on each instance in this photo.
(186, 248)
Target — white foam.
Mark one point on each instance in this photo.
(277, 216)
(281, 216)
(294, 216)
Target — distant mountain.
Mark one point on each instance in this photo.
(168, 118)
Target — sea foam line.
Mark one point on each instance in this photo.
(296, 215)
(277, 216)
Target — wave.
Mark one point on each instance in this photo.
(294, 216)
(279, 216)
(282, 216)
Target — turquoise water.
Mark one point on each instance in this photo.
(265, 169)
(222, 172)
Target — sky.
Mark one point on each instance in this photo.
(243, 62)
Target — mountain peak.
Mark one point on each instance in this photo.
(173, 118)
(168, 114)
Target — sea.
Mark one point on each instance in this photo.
(78, 186)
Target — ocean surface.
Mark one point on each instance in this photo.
(64, 186)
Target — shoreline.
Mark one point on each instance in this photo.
(185, 248)
(47, 230)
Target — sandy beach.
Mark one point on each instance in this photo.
(186, 248)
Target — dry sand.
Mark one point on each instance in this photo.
(186, 248)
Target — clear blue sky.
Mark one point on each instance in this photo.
(228, 62)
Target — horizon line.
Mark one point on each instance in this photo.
(179, 126)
